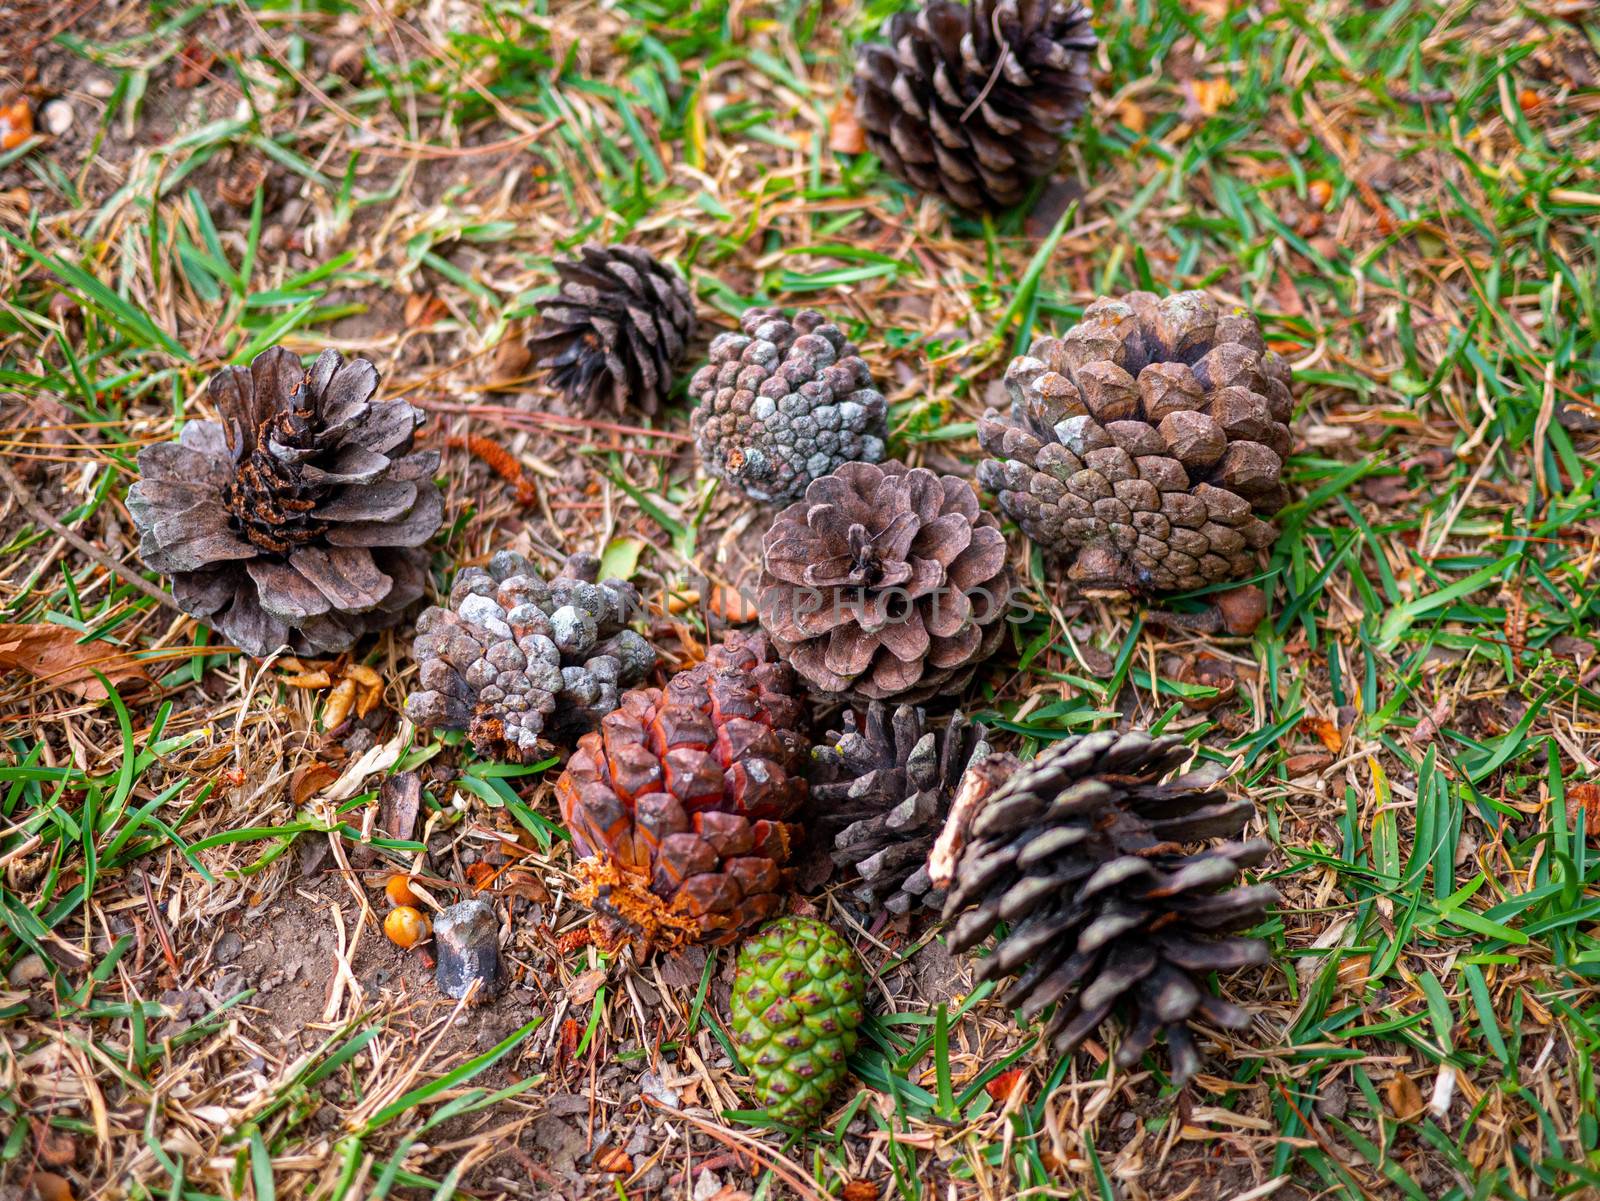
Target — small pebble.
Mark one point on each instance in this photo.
(466, 941)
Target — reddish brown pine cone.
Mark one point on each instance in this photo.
(679, 802)
(885, 582)
(1146, 444)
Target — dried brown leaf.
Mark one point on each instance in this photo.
(194, 65)
(1584, 798)
(53, 655)
(1404, 1098)
(845, 135)
(49, 1186)
(581, 991)
(305, 782)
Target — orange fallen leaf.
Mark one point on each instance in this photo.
(1210, 96)
(194, 65)
(613, 1159)
(49, 1186)
(1403, 1096)
(480, 875)
(16, 123)
(1584, 798)
(54, 655)
(1324, 731)
(730, 605)
(860, 1190)
(1003, 1085)
(423, 309)
(845, 135)
(1133, 116)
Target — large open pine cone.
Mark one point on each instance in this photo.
(679, 802)
(615, 330)
(882, 788)
(1078, 851)
(783, 403)
(885, 582)
(515, 660)
(300, 517)
(1143, 444)
(972, 103)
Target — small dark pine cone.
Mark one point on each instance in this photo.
(882, 788)
(1144, 443)
(615, 331)
(519, 662)
(972, 103)
(299, 518)
(885, 583)
(1079, 853)
(782, 404)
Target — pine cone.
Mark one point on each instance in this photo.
(1143, 442)
(615, 331)
(885, 582)
(882, 790)
(1078, 852)
(782, 404)
(797, 999)
(515, 660)
(679, 802)
(972, 103)
(300, 517)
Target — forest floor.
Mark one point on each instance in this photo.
(198, 1000)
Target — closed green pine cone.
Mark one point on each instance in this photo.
(797, 1000)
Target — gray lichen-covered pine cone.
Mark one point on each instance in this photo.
(784, 403)
(616, 329)
(971, 102)
(299, 518)
(1081, 853)
(1146, 444)
(518, 662)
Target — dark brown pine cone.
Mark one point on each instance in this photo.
(1144, 443)
(680, 802)
(783, 403)
(298, 519)
(616, 330)
(882, 790)
(972, 103)
(516, 660)
(1080, 852)
(885, 583)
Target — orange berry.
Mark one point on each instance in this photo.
(406, 926)
(1319, 192)
(398, 890)
(1529, 100)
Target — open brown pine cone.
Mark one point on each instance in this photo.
(885, 582)
(299, 518)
